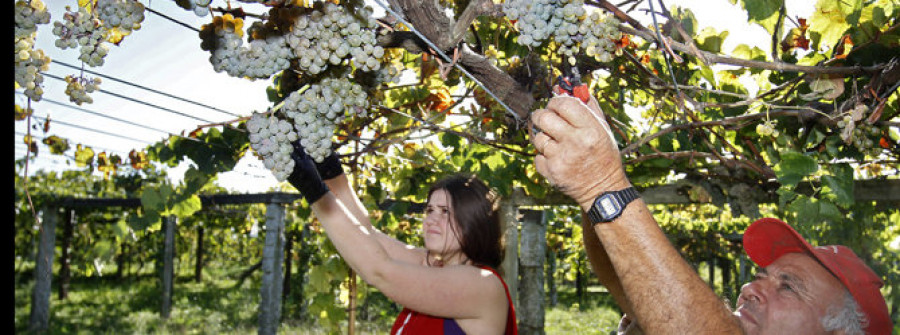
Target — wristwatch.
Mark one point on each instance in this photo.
(609, 205)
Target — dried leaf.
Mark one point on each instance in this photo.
(23, 113)
(844, 47)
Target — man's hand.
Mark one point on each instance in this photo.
(577, 152)
(305, 178)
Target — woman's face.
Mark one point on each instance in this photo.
(440, 237)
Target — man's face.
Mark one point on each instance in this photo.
(790, 296)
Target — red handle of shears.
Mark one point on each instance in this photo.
(575, 89)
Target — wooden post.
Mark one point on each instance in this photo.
(351, 315)
(531, 291)
(198, 266)
(288, 263)
(303, 269)
(121, 259)
(43, 271)
(64, 271)
(273, 255)
(510, 265)
(168, 271)
(743, 273)
(727, 266)
(551, 276)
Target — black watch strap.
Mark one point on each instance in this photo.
(610, 205)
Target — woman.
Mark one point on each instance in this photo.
(448, 287)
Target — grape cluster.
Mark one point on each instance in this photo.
(28, 15)
(84, 29)
(857, 133)
(29, 62)
(199, 7)
(268, 53)
(271, 138)
(567, 23)
(126, 15)
(79, 87)
(767, 128)
(317, 111)
(539, 20)
(329, 34)
(599, 31)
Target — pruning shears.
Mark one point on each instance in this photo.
(571, 84)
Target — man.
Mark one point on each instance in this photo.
(799, 286)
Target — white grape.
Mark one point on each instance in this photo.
(270, 138)
(126, 15)
(317, 111)
(567, 23)
(263, 58)
(29, 62)
(79, 88)
(329, 34)
(83, 29)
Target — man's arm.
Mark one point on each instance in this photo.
(665, 295)
(602, 266)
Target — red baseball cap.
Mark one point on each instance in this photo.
(767, 239)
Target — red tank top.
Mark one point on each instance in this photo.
(412, 322)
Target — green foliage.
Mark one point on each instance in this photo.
(762, 12)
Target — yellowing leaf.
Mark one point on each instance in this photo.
(843, 49)
(84, 156)
(88, 5)
(831, 19)
(58, 145)
(116, 35)
(138, 159)
(23, 113)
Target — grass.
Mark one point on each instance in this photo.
(105, 305)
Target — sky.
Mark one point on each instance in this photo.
(165, 57)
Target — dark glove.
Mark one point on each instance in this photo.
(330, 167)
(305, 178)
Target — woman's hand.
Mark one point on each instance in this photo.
(330, 167)
(577, 152)
(305, 178)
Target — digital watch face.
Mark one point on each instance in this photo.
(608, 206)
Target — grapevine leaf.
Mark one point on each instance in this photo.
(840, 184)
(121, 230)
(149, 221)
(116, 35)
(824, 88)
(831, 20)
(194, 180)
(152, 200)
(23, 113)
(58, 145)
(449, 140)
(186, 207)
(88, 5)
(762, 12)
(794, 166)
(711, 41)
(84, 156)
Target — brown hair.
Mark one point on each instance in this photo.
(477, 217)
